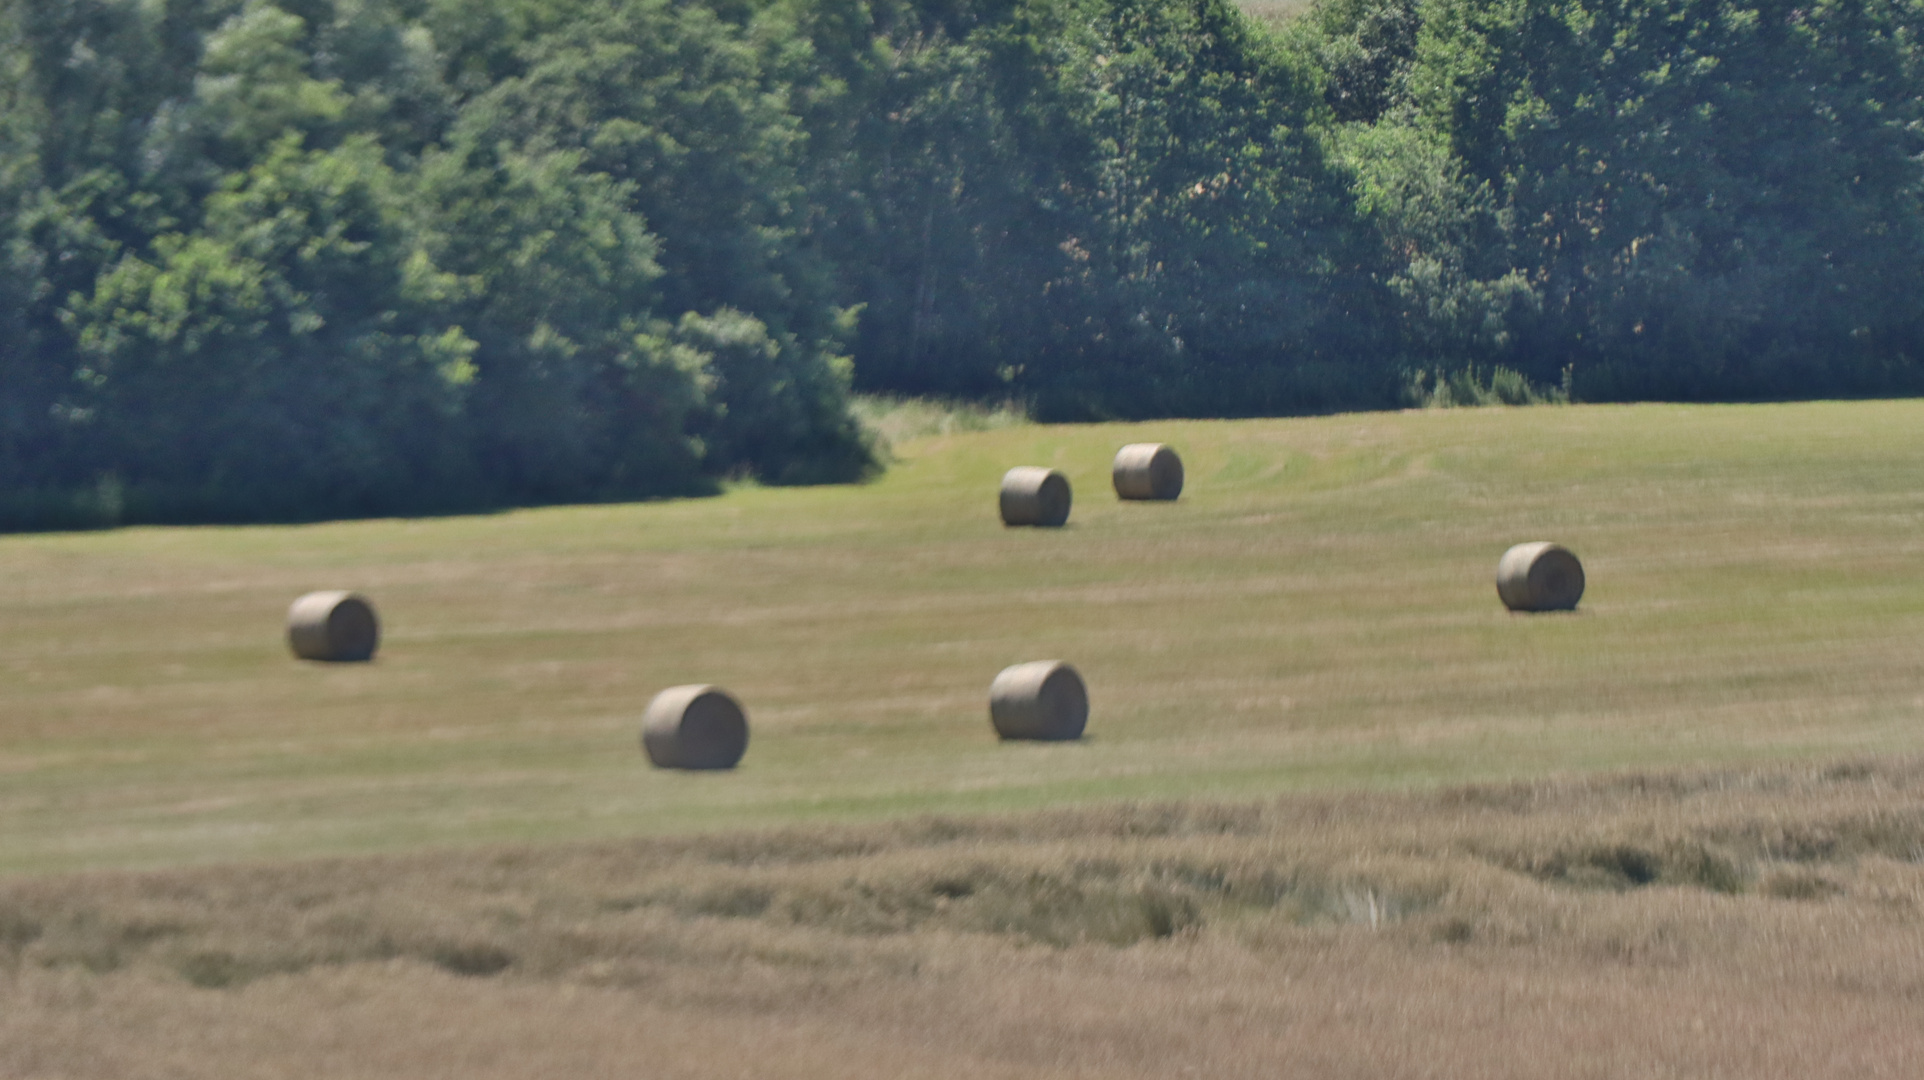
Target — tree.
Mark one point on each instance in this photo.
(1670, 198)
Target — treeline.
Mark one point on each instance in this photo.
(295, 258)
(1681, 199)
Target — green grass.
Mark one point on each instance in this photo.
(894, 420)
(1316, 612)
(1273, 12)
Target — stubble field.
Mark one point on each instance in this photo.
(1310, 825)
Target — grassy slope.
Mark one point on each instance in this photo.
(1317, 612)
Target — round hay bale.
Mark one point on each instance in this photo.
(1043, 699)
(694, 727)
(1033, 495)
(1539, 576)
(335, 626)
(1147, 470)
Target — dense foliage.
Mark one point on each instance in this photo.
(1645, 198)
(288, 258)
(308, 258)
(1113, 208)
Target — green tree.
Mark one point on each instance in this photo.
(673, 103)
(1109, 207)
(283, 361)
(576, 394)
(1671, 198)
(1222, 270)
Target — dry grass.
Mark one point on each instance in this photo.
(1740, 923)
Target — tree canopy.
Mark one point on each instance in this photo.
(273, 259)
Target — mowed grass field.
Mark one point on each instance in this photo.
(1316, 613)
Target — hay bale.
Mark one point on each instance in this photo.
(1043, 699)
(694, 727)
(1539, 576)
(1033, 495)
(334, 626)
(1147, 470)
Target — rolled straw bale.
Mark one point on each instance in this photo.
(1033, 495)
(1539, 576)
(1147, 470)
(1042, 699)
(334, 626)
(694, 727)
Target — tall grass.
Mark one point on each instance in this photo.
(1273, 12)
(1472, 386)
(894, 420)
(1741, 922)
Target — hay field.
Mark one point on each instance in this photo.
(1316, 613)
(1338, 814)
(1751, 924)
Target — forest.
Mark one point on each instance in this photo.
(294, 259)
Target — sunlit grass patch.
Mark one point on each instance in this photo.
(896, 420)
